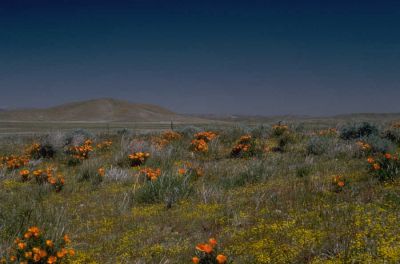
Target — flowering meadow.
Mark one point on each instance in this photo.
(271, 193)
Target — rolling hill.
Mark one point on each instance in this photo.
(98, 110)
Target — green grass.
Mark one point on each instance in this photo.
(276, 207)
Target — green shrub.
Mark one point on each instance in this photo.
(379, 145)
(318, 145)
(358, 130)
(393, 134)
(261, 131)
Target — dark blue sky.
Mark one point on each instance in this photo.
(247, 57)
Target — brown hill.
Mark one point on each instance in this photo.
(98, 110)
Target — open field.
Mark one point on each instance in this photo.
(304, 191)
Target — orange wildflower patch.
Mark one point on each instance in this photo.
(207, 136)
(208, 253)
(138, 158)
(151, 174)
(199, 145)
(363, 145)
(104, 145)
(80, 153)
(35, 248)
(244, 147)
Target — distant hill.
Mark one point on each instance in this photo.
(98, 110)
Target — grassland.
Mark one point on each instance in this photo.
(301, 193)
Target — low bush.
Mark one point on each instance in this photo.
(379, 145)
(357, 130)
(318, 145)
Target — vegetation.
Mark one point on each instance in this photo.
(276, 193)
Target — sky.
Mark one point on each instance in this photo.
(211, 57)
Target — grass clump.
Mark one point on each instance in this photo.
(168, 188)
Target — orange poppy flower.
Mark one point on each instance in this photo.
(221, 259)
(377, 166)
(21, 245)
(60, 254)
(204, 248)
(213, 242)
(341, 184)
(388, 156)
(49, 243)
(36, 258)
(52, 181)
(101, 172)
(27, 235)
(42, 253)
(24, 172)
(28, 254)
(370, 160)
(66, 239)
(52, 260)
(195, 260)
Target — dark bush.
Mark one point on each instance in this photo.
(358, 130)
